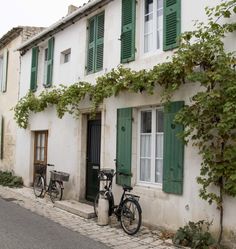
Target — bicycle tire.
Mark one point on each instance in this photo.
(96, 201)
(56, 191)
(131, 216)
(38, 186)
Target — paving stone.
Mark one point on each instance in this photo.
(111, 235)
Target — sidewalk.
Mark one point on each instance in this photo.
(111, 235)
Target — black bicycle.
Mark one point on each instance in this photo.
(55, 187)
(128, 212)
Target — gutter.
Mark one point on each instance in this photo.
(83, 11)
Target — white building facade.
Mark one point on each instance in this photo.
(9, 90)
(84, 45)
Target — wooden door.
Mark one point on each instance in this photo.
(40, 149)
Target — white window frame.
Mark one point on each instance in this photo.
(142, 14)
(153, 148)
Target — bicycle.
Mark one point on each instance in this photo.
(55, 187)
(128, 211)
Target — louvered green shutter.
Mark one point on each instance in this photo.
(4, 71)
(1, 136)
(50, 61)
(173, 151)
(172, 23)
(91, 45)
(34, 69)
(99, 42)
(124, 145)
(128, 30)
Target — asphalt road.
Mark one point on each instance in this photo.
(22, 229)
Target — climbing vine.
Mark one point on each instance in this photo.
(210, 120)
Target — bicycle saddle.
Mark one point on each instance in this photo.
(127, 188)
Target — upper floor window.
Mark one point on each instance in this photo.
(65, 56)
(95, 43)
(48, 56)
(153, 25)
(45, 64)
(3, 71)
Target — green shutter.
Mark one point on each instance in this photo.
(50, 61)
(4, 71)
(173, 151)
(95, 43)
(34, 69)
(1, 137)
(99, 42)
(172, 23)
(91, 45)
(124, 145)
(128, 30)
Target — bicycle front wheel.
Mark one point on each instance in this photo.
(131, 216)
(38, 186)
(96, 201)
(56, 191)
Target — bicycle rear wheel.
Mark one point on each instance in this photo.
(56, 191)
(131, 216)
(38, 186)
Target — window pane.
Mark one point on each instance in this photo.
(148, 25)
(159, 4)
(38, 154)
(146, 122)
(159, 145)
(38, 140)
(145, 146)
(159, 24)
(148, 6)
(158, 170)
(145, 170)
(148, 43)
(42, 154)
(43, 140)
(160, 121)
(46, 54)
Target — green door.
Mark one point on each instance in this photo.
(93, 158)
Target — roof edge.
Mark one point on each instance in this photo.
(63, 23)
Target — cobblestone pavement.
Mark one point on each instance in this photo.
(112, 235)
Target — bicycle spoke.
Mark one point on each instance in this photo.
(130, 217)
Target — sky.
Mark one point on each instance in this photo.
(41, 13)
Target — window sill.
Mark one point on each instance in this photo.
(152, 53)
(149, 185)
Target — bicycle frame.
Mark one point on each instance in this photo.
(116, 209)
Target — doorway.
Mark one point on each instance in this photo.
(93, 158)
(40, 149)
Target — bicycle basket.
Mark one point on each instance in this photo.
(59, 176)
(106, 174)
(40, 169)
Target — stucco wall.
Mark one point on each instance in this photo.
(67, 137)
(8, 100)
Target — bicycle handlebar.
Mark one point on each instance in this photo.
(50, 165)
(110, 174)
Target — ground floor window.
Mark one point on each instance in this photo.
(151, 137)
